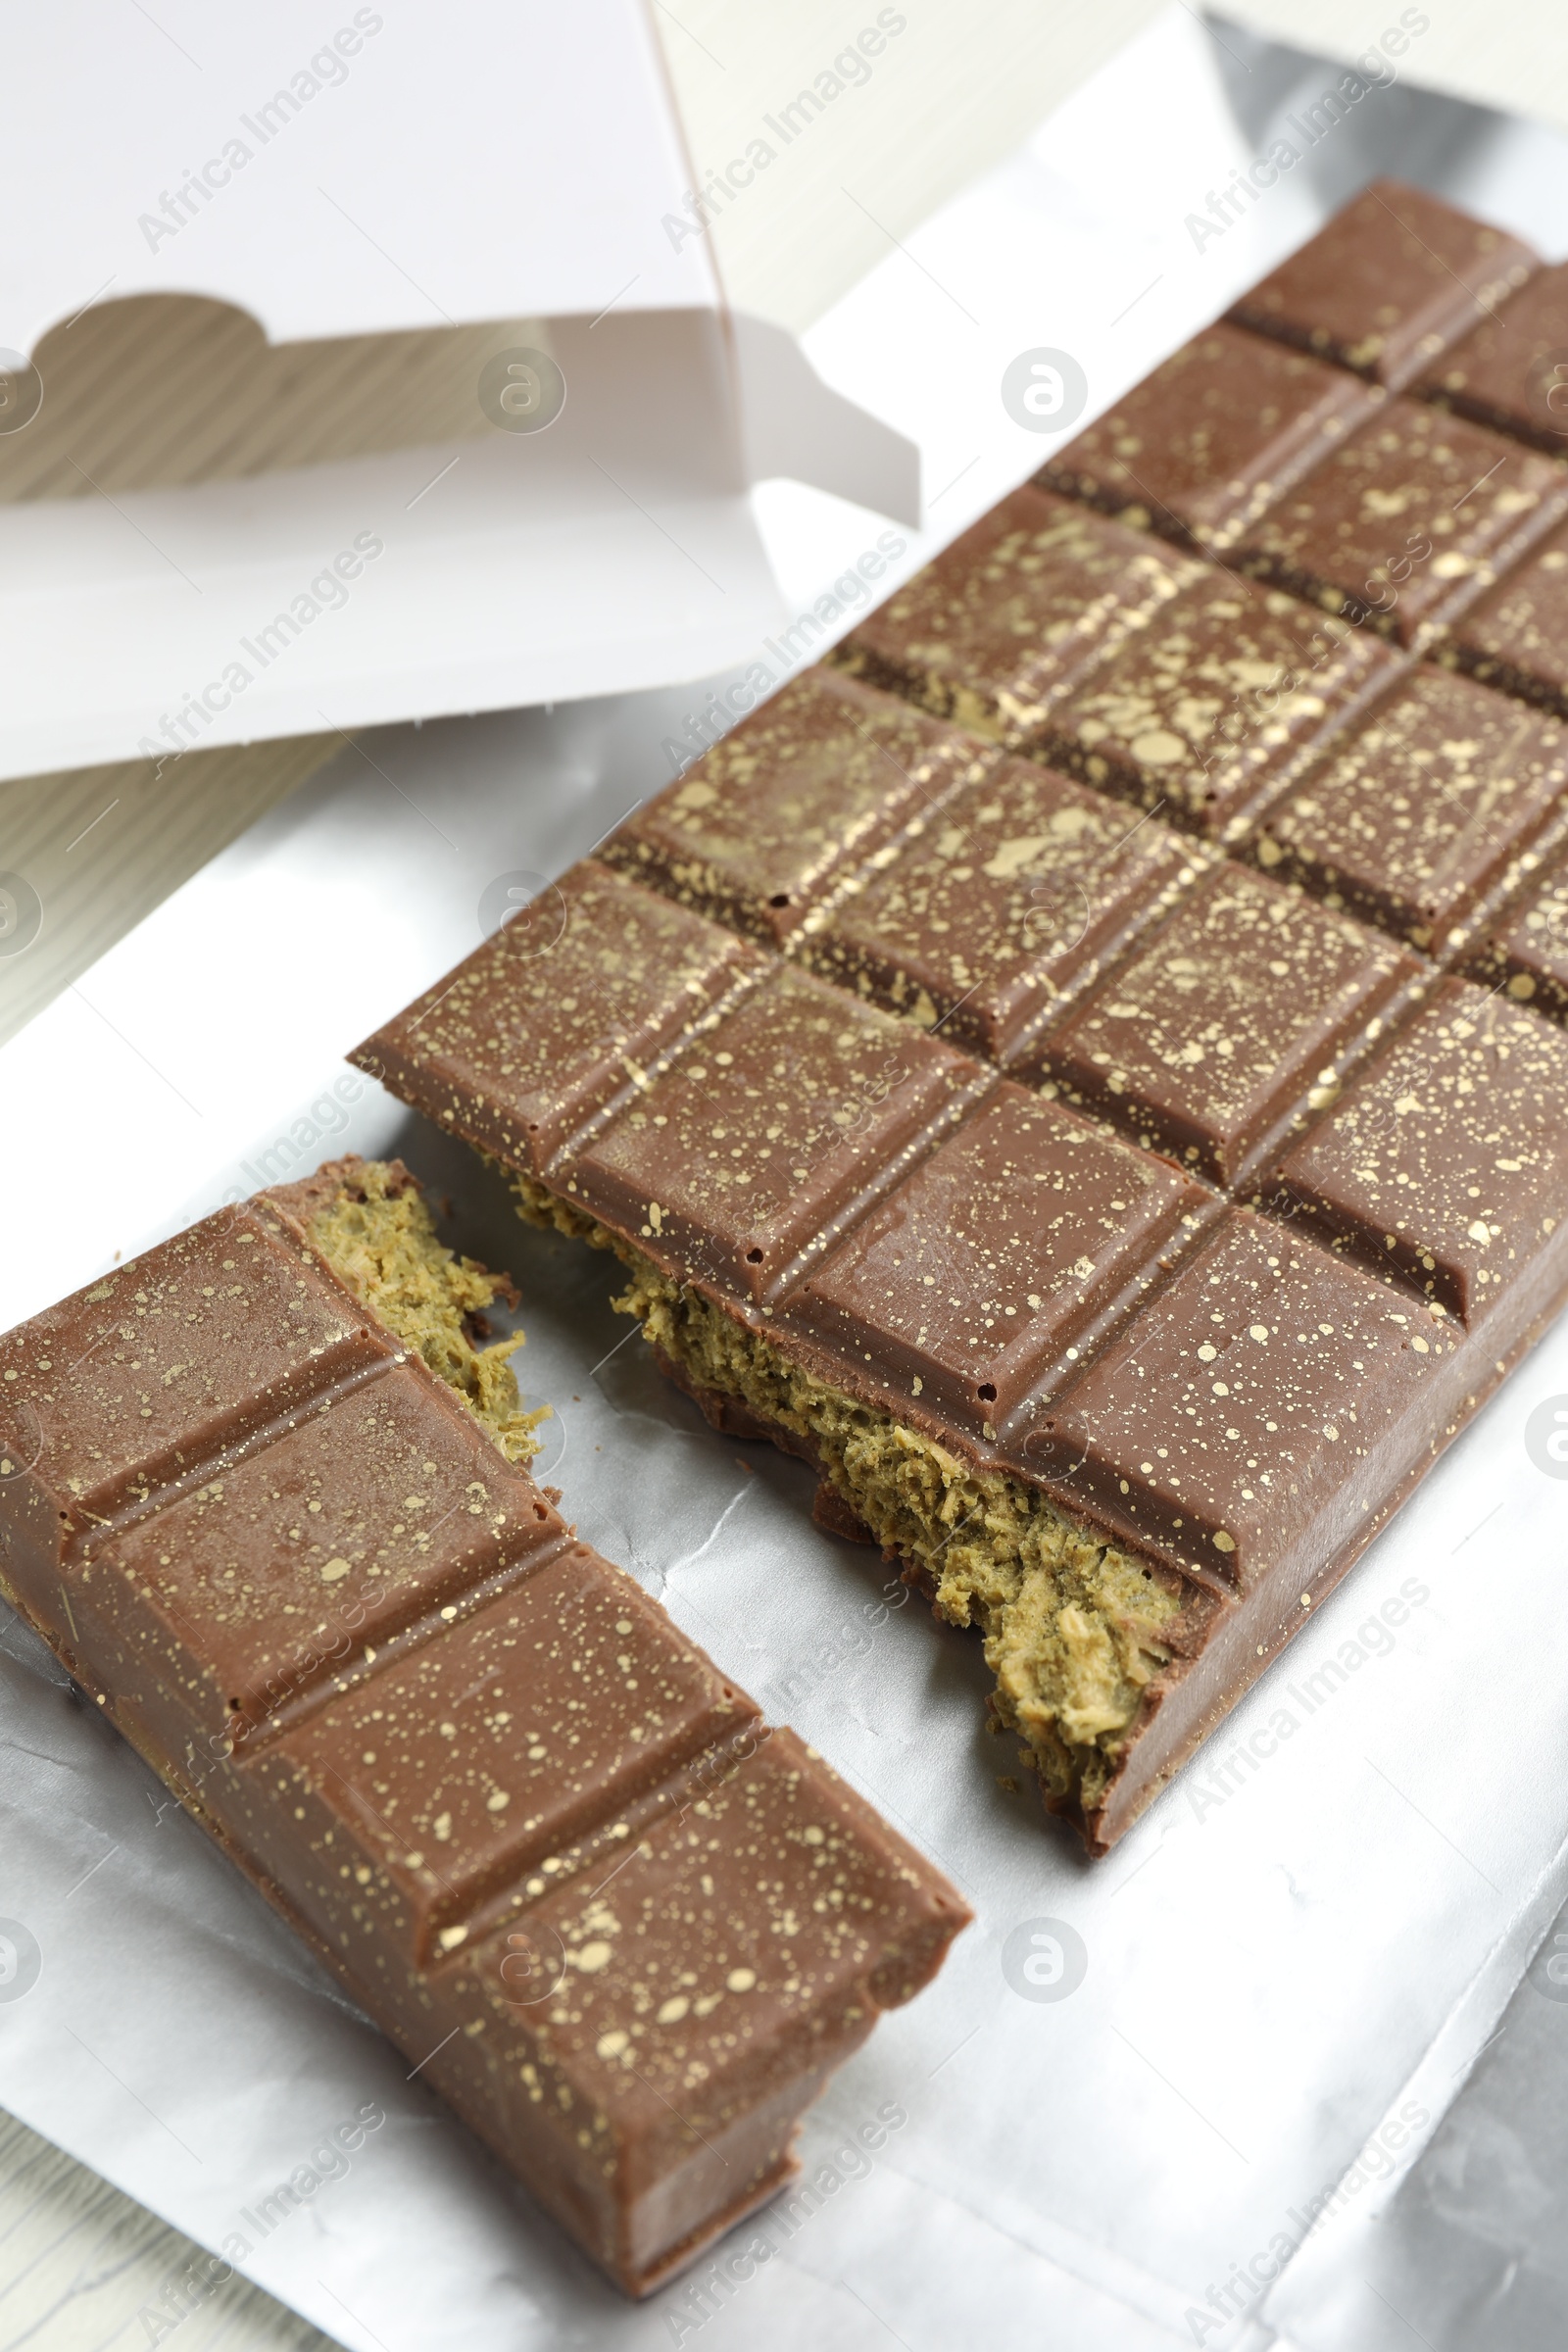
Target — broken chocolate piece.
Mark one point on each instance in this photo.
(1130, 1403)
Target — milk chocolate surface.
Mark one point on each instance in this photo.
(1121, 1228)
(1238, 1018)
(1515, 637)
(1001, 909)
(993, 632)
(1512, 370)
(795, 797)
(1527, 951)
(1389, 282)
(1409, 521)
(1216, 434)
(625, 1927)
(1261, 1401)
(1422, 816)
(1447, 1160)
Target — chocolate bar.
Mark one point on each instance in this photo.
(266, 1498)
(1113, 1182)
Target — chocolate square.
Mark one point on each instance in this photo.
(277, 1571)
(1527, 952)
(1389, 282)
(995, 629)
(540, 1028)
(1242, 1014)
(1511, 371)
(1206, 714)
(762, 827)
(748, 1943)
(1002, 907)
(1515, 637)
(1409, 522)
(1217, 433)
(984, 1270)
(536, 1719)
(789, 1110)
(1415, 822)
(1446, 1161)
(1261, 1402)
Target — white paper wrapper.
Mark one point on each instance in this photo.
(1306, 1941)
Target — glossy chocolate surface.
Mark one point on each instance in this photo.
(539, 1029)
(1512, 370)
(1526, 953)
(1447, 1160)
(1388, 283)
(1264, 1396)
(760, 828)
(1000, 911)
(1020, 1234)
(745, 1148)
(1515, 637)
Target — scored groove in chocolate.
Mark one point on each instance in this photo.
(995, 914)
(1510, 370)
(823, 775)
(1238, 1019)
(1210, 713)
